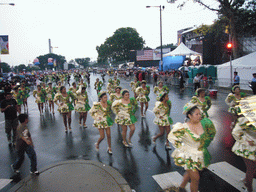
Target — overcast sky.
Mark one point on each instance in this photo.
(76, 27)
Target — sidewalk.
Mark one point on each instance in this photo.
(75, 175)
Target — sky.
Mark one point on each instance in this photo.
(76, 27)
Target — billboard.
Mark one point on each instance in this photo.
(4, 45)
(144, 55)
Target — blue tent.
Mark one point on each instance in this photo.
(172, 62)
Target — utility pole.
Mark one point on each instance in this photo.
(50, 46)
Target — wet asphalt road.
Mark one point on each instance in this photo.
(137, 164)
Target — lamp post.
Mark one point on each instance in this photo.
(161, 34)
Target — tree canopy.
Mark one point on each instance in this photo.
(5, 67)
(239, 16)
(43, 59)
(118, 46)
(83, 61)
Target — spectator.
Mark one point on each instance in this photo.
(236, 78)
(155, 76)
(253, 83)
(10, 108)
(25, 144)
(210, 82)
(196, 81)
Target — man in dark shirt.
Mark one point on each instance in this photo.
(10, 108)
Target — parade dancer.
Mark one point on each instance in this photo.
(245, 146)
(25, 92)
(98, 85)
(40, 96)
(110, 87)
(142, 96)
(101, 112)
(82, 106)
(64, 101)
(231, 101)
(134, 85)
(125, 109)
(191, 140)
(18, 96)
(44, 90)
(203, 102)
(116, 82)
(82, 84)
(74, 89)
(161, 88)
(117, 95)
(51, 91)
(162, 117)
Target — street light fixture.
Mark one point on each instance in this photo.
(12, 4)
(161, 39)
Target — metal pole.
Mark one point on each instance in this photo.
(230, 59)
(50, 46)
(161, 40)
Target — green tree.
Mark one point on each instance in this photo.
(43, 59)
(19, 68)
(5, 67)
(83, 61)
(231, 10)
(118, 46)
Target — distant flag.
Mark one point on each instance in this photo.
(4, 44)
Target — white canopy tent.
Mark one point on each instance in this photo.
(245, 66)
(182, 49)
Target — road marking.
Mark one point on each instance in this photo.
(230, 174)
(167, 180)
(4, 182)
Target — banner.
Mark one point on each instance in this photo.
(4, 45)
(157, 53)
(144, 55)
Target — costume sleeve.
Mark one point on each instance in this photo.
(230, 100)
(176, 134)
(134, 104)
(138, 90)
(157, 109)
(115, 106)
(56, 98)
(194, 99)
(208, 102)
(155, 89)
(34, 93)
(238, 132)
(111, 97)
(148, 88)
(94, 110)
(211, 131)
(166, 89)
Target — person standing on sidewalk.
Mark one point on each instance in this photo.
(236, 79)
(25, 144)
(196, 81)
(10, 108)
(253, 84)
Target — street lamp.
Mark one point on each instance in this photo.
(161, 39)
(12, 4)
